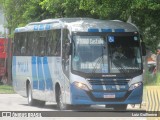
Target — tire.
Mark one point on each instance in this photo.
(121, 107)
(60, 105)
(31, 101)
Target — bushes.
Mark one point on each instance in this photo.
(150, 79)
(158, 79)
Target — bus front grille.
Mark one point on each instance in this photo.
(108, 81)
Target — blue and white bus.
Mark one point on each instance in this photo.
(78, 61)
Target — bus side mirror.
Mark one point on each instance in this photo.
(143, 49)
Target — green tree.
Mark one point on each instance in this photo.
(20, 12)
(64, 8)
(144, 13)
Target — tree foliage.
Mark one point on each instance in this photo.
(144, 13)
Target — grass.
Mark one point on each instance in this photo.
(6, 89)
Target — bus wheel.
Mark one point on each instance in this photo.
(31, 101)
(60, 104)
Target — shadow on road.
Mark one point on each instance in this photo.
(78, 108)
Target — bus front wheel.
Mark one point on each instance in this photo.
(59, 99)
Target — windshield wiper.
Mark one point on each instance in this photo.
(100, 59)
(122, 69)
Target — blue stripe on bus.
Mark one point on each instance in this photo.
(41, 27)
(93, 30)
(36, 27)
(40, 74)
(119, 30)
(34, 72)
(49, 83)
(106, 30)
(48, 27)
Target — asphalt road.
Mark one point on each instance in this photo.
(15, 102)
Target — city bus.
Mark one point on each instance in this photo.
(3, 60)
(79, 62)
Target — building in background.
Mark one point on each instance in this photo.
(3, 60)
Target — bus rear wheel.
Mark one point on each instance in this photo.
(31, 101)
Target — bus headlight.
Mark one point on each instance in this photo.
(81, 86)
(133, 86)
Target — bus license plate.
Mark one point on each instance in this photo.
(109, 96)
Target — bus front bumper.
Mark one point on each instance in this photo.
(82, 97)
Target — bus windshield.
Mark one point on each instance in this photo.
(124, 52)
(111, 54)
(89, 54)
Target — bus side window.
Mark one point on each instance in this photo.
(19, 44)
(15, 44)
(57, 46)
(24, 44)
(23, 50)
(54, 43)
(29, 44)
(41, 42)
(35, 42)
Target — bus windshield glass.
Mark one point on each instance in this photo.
(111, 54)
(89, 54)
(124, 52)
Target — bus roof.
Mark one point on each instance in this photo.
(79, 25)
